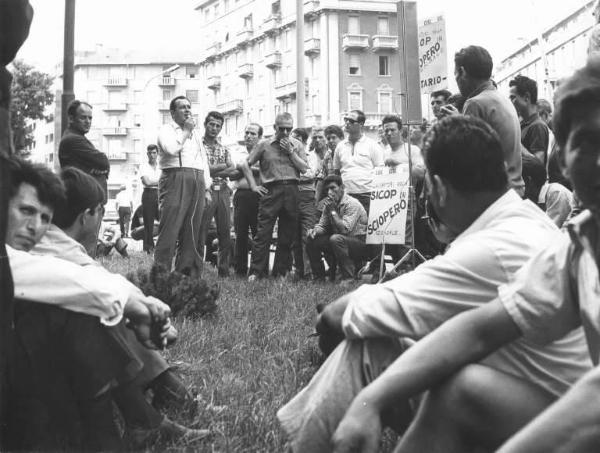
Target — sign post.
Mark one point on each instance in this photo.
(433, 54)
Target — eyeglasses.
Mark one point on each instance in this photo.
(284, 129)
(350, 120)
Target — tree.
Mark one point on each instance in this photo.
(31, 95)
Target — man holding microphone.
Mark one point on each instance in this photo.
(182, 190)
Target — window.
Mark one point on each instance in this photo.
(385, 102)
(192, 95)
(166, 117)
(137, 120)
(354, 66)
(353, 25)
(206, 15)
(384, 65)
(167, 95)
(383, 26)
(191, 71)
(225, 6)
(276, 7)
(248, 22)
(138, 97)
(355, 100)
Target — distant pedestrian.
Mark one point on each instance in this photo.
(124, 205)
(150, 174)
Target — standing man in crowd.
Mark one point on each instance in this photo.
(245, 201)
(181, 190)
(124, 205)
(333, 136)
(281, 160)
(534, 132)
(221, 167)
(438, 100)
(473, 71)
(356, 157)
(150, 174)
(75, 150)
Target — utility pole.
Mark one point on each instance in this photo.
(300, 62)
(68, 62)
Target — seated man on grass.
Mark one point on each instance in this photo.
(68, 363)
(493, 232)
(553, 293)
(339, 234)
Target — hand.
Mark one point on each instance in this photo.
(449, 110)
(286, 146)
(389, 162)
(311, 233)
(189, 124)
(260, 190)
(359, 430)
(207, 197)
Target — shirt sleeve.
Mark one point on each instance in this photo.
(313, 166)
(542, 299)
(377, 155)
(84, 289)
(322, 225)
(538, 138)
(171, 140)
(337, 161)
(205, 165)
(558, 205)
(350, 217)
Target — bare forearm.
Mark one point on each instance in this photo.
(298, 162)
(570, 425)
(245, 168)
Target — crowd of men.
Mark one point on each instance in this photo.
(492, 345)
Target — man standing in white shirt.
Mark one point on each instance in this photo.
(356, 157)
(182, 190)
(124, 205)
(150, 174)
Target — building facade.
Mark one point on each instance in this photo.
(249, 63)
(563, 49)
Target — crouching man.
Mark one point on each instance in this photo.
(340, 233)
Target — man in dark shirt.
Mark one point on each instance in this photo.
(534, 132)
(75, 150)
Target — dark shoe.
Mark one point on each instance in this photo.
(167, 431)
(121, 247)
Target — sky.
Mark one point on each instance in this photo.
(499, 25)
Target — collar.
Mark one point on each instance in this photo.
(485, 86)
(532, 118)
(362, 138)
(57, 243)
(174, 125)
(543, 192)
(491, 213)
(582, 230)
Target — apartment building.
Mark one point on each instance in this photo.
(563, 49)
(249, 60)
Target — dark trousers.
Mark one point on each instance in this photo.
(280, 203)
(124, 219)
(245, 217)
(219, 208)
(346, 250)
(149, 214)
(181, 194)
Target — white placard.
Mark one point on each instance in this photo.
(433, 54)
(389, 203)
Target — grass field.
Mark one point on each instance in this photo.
(249, 360)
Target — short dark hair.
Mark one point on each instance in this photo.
(467, 153)
(259, 127)
(457, 100)
(173, 103)
(544, 106)
(301, 132)
(392, 119)
(74, 105)
(576, 98)
(445, 93)
(337, 179)
(334, 129)
(533, 168)
(284, 115)
(525, 85)
(151, 147)
(82, 192)
(50, 189)
(476, 60)
(361, 116)
(215, 116)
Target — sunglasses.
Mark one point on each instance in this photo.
(284, 129)
(350, 120)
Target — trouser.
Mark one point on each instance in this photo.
(124, 219)
(346, 249)
(181, 193)
(219, 208)
(149, 214)
(280, 202)
(245, 216)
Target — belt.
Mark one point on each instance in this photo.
(281, 182)
(170, 169)
(150, 188)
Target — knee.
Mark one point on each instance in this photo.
(337, 240)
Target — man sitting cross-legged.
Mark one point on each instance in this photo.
(340, 232)
(556, 291)
(494, 233)
(68, 363)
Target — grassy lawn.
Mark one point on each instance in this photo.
(249, 360)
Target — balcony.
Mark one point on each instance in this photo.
(350, 41)
(231, 107)
(314, 119)
(273, 60)
(166, 82)
(164, 105)
(115, 107)
(213, 51)
(311, 8)
(116, 82)
(312, 46)
(246, 71)
(383, 42)
(271, 24)
(285, 90)
(244, 36)
(117, 155)
(214, 82)
(114, 131)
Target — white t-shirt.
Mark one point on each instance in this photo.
(152, 173)
(356, 163)
(400, 156)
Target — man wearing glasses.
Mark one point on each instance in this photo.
(281, 160)
(356, 157)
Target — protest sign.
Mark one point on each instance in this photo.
(389, 202)
(433, 54)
